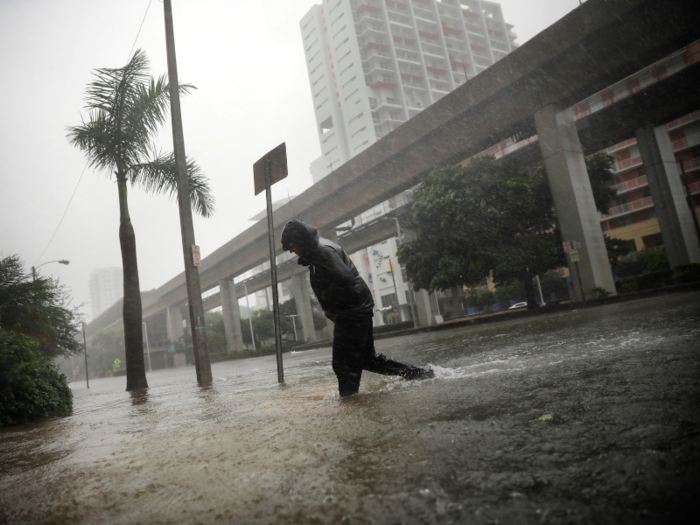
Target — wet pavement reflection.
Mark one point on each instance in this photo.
(587, 416)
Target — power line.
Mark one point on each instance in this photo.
(64, 215)
(137, 34)
(83, 172)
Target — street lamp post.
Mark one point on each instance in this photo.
(148, 348)
(250, 317)
(62, 261)
(294, 322)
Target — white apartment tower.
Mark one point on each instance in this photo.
(106, 288)
(373, 64)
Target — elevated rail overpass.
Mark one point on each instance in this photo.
(527, 92)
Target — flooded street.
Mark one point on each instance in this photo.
(589, 416)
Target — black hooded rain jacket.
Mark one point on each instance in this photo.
(336, 282)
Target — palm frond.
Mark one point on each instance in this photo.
(93, 138)
(158, 176)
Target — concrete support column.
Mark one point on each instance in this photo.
(666, 189)
(174, 322)
(302, 299)
(573, 199)
(425, 310)
(232, 316)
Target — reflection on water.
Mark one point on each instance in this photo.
(249, 450)
(139, 397)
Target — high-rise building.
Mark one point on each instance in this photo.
(374, 64)
(106, 288)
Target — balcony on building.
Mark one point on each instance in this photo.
(479, 50)
(471, 16)
(459, 64)
(401, 19)
(377, 67)
(449, 11)
(428, 34)
(423, 13)
(412, 59)
(414, 107)
(374, 44)
(412, 84)
(451, 30)
(383, 84)
(396, 4)
(367, 7)
(433, 52)
(403, 39)
(388, 102)
(436, 69)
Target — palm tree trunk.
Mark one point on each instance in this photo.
(132, 313)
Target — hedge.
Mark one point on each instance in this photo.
(687, 273)
(405, 325)
(646, 281)
(31, 387)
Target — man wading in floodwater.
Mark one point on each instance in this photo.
(347, 301)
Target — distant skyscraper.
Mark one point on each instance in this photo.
(106, 288)
(374, 64)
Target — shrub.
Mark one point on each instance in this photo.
(405, 325)
(600, 292)
(687, 273)
(647, 281)
(31, 387)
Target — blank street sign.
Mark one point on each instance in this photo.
(278, 167)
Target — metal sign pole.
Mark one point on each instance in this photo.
(580, 284)
(273, 270)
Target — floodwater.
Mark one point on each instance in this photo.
(589, 416)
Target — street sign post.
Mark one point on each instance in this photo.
(196, 255)
(271, 168)
(572, 248)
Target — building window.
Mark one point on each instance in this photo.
(389, 300)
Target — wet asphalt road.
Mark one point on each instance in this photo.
(578, 417)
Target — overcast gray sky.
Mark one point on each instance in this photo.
(247, 61)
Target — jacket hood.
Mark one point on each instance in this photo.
(297, 233)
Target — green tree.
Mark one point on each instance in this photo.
(105, 347)
(616, 248)
(126, 108)
(38, 308)
(216, 335)
(489, 217)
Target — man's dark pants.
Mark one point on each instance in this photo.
(353, 351)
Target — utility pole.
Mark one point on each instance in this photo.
(194, 291)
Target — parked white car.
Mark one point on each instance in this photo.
(518, 305)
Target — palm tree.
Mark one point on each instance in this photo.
(126, 108)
